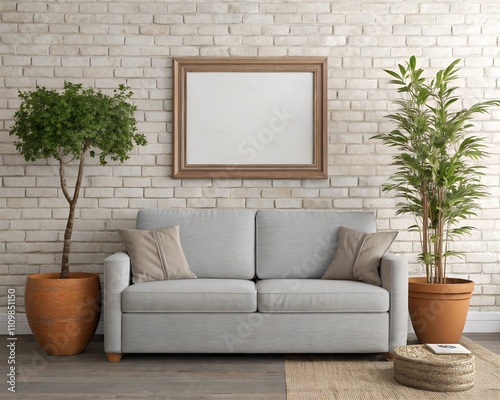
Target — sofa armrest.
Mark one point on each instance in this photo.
(116, 279)
(394, 275)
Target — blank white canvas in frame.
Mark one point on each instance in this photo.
(249, 118)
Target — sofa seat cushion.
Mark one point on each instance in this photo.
(191, 295)
(316, 295)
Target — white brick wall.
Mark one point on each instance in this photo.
(103, 44)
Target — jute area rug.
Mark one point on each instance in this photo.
(370, 377)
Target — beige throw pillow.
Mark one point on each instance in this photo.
(156, 255)
(358, 255)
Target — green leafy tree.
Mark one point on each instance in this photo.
(70, 125)
(438, 176)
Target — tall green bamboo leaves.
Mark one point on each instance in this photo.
(436, 180)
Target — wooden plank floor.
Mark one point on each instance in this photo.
(144, 376)
(491, 341)
(149, 376)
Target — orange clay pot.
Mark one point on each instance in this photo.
(63, 313)
(438, 311)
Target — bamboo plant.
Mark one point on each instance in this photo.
(438, 176)
(70, 125)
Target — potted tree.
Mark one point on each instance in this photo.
(63, 308)
(438, 178)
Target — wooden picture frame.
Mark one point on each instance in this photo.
(250, 117)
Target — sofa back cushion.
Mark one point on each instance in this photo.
(217, 243)
(301, 244)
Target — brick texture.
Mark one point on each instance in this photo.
(103, 44)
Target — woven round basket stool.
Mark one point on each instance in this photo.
(418, 367)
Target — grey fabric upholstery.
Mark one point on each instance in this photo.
(301, 244)
(255, 333)
(394, 275)
(116, 279)
(315, 295)
(191, 295)
(298, 312)
(217, 243)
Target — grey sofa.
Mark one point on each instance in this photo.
(258, 289)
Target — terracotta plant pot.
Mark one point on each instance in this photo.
(438, 311)
(63, 313)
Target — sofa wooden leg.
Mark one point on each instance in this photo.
(114, 357)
